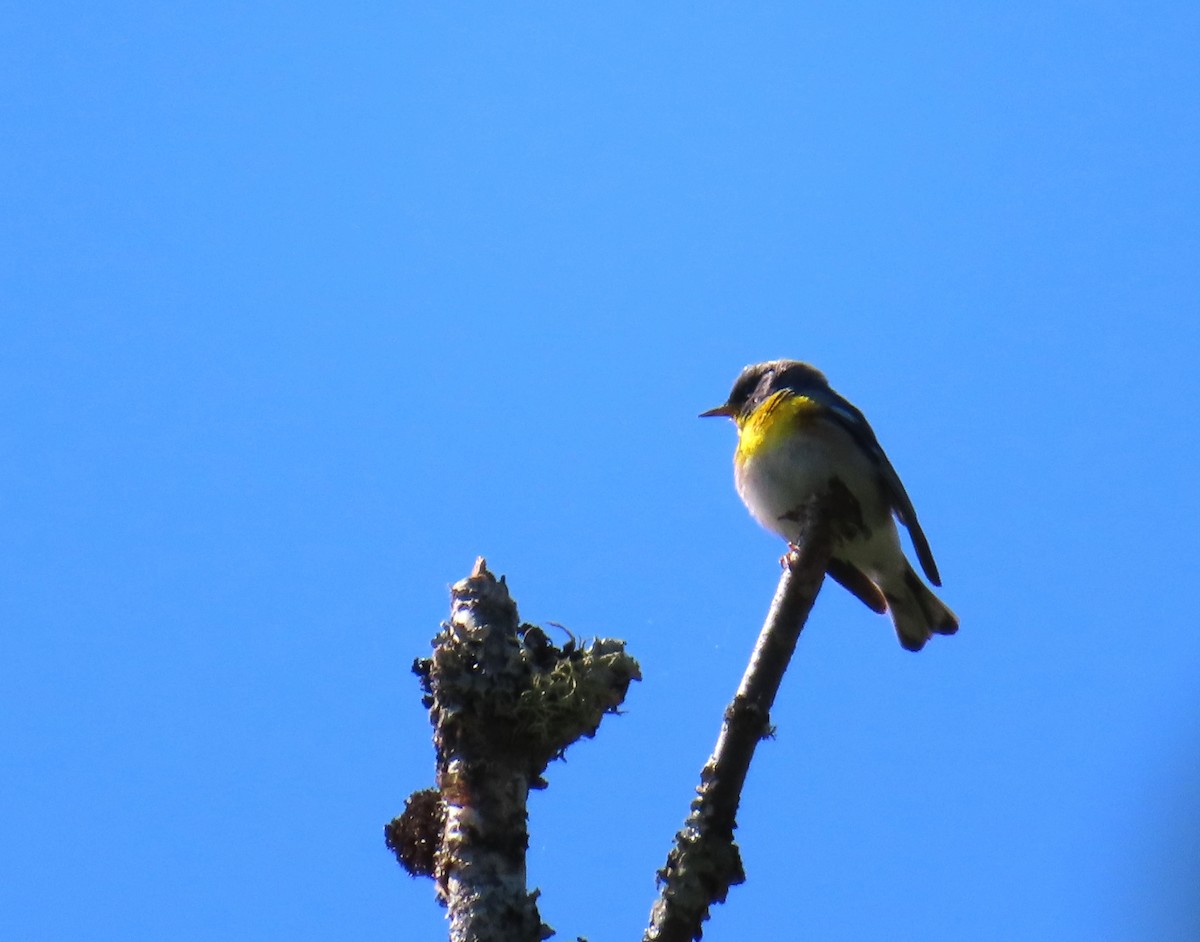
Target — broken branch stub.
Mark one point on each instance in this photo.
(504, 701)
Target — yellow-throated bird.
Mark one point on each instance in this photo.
(798, 439)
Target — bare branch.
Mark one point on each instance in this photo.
(705, 863)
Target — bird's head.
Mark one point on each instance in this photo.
(759, 381)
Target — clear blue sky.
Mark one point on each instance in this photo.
(304, 308)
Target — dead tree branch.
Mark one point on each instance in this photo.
(504, 702)
(704, 862)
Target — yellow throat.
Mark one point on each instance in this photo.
(774, 418)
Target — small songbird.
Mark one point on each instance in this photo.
(798, 439)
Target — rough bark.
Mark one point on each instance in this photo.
(504, 702)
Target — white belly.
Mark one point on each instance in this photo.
(776, 481)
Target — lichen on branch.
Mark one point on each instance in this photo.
(504, 701)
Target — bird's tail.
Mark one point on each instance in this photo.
(917, 613)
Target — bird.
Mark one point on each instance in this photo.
(799, 440)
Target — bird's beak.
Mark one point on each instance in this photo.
(724, 410)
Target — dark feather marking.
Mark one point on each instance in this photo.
(845, 512)
(854, 581)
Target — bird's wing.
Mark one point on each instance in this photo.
(854, 422)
